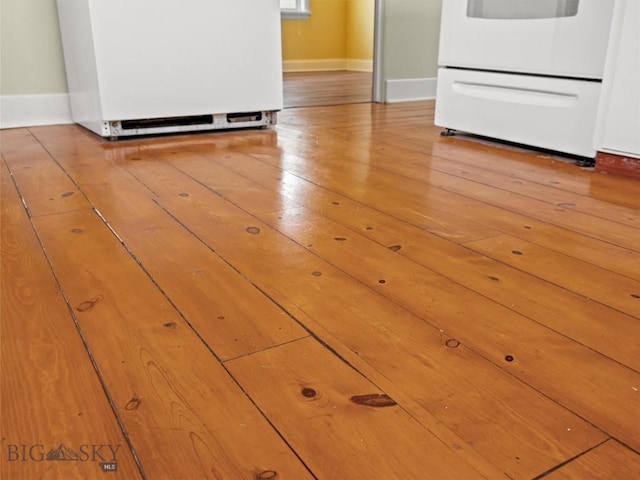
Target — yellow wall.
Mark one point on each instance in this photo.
(321, 36)
(336, 30)
(360, 23)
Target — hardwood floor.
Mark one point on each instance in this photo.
(345, 296)
(306, 89)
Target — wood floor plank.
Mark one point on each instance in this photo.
(402, 200)
(424, 143)
(50, 394)
(622, 258)
(186, 417)
(540, 167)
(544, 168)
(208, 171)
(617, 259)
(455, 190)
(609, 231)
(575, 275)
(546, 193)
(607, 462)
(344, 425)
(443, 163)
(381, 331)
(593, 324)
(41, 179)
(571, 374)
(563, 311)
(303, 89)
(444, 220)
(215, 299)
(231, 315)
(132, 153)
(433, 424)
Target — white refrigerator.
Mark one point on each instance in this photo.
(138, 67)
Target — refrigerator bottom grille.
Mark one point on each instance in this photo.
(166, 122)
(154, 126)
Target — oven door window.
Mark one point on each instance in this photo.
(521, 9)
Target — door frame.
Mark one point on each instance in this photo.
(378, 81)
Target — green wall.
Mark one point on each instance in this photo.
(31, 61)
(410, 42)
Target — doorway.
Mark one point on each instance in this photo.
(331, 58)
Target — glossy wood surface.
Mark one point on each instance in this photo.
(348, 295)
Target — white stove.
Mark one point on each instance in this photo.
(524, 71)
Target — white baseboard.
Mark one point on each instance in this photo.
(411, 90)
(314, 65)
(359, 65)
(327, 64)
(32, 110)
